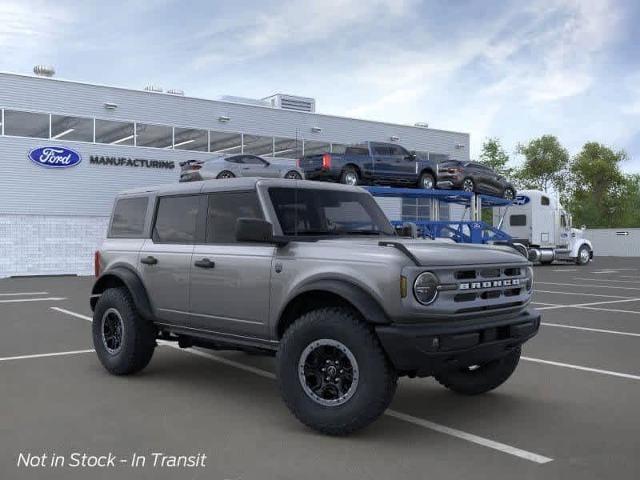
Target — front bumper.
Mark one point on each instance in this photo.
(427, 349)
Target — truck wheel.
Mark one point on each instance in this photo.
(427, 181)
(332, 372)
(584, 255)
(480, 378)
(349, 176)
(123, 340)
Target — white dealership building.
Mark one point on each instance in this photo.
(103, 139)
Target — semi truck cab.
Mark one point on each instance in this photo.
(538, 223)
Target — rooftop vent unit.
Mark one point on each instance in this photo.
(292, 102)
(421, 124)
(175, 91)
(245, 100)
(153, 88)
(44, 70)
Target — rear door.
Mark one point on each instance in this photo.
(165, 259)
(403, 165)
(382, 162)
(230, 280)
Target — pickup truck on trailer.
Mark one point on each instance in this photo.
(372, 163)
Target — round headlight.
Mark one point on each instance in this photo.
(425, 288)
(529, 279)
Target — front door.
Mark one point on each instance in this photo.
(165, 259)
(253, 166)
(230, 281)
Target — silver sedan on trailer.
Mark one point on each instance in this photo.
(243, 165)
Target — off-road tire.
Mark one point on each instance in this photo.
(138, 337)
(377, 377)
(579, 260)
(423, 178)
(345, 175)
(485, 378)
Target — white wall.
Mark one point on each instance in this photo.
(615, 242)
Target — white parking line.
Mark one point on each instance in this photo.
(580, 367)
(485, 442)
(20, 300)
(583, 305)
(43, 355)
(587, 329)
(564, 270)
(608, 280)
(22, 293)
(73, 314)
(590, 285)
(614, 310)
(579, 293)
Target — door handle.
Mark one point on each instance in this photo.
(204, 263)
(246, 168)
(149, 260)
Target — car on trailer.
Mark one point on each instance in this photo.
(243, 165)
(474, 177)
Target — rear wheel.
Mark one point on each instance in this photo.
(332, 372)
(509, 193)
(293, 175)
(225, 174)
(468, 185)
(123, 340)
(584, 255)
(349, 176)
(482, 378)
(427, 181)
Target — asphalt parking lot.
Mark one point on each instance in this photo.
(570, 411)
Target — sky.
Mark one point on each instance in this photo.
(508, 69)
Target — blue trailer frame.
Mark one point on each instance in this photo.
(461, 231)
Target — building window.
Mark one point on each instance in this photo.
(316, 148)
(416, 209)
(257, 145)
(114, 133)
(225, 142)
(71, 128)
(287, 148)
(190, 139)
(26, 124)
(157, 136)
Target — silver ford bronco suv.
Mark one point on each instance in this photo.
(314, 274)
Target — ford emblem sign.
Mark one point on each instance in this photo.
(521, 200)
(55, 157)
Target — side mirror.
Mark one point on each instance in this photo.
(254, 230)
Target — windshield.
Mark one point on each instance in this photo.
(328, 212)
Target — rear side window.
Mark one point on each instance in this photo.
(128, 218)
(224, 210)
(357, 151)
(518, 220)
(176, 219)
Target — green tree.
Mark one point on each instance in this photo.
(545, 164)
(601, 195)
(495, 157)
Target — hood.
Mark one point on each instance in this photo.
(437, 252)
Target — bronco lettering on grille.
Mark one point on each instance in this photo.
(514, 282)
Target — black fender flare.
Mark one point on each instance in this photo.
(364, 302)
(133, 283)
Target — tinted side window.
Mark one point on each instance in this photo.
(398, 151)
(518, 220)
(128, 218)
(253, 160)
(224, 210)
(544, 201)
(380, 150)
(176, 219)
(356, 151)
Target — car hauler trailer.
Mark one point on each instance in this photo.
(537, 223)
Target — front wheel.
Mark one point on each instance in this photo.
(332, 372)
(584, 255)
(427, 181)
(123, 340)
(477, 379)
